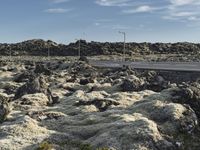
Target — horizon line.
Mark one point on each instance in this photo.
(100, 41)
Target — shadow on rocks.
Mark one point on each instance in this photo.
(150, 81)
(101, 104)
(42, 69)
(84, 59)
(37, 85)
(25, 76)
(188, 94)
(4, 108)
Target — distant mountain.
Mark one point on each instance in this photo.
(39, 47)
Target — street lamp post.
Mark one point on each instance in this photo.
(10, 53)
(48, 52)
(124, 33)
(79, 47)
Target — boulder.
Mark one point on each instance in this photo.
(84, 58)
(4, 107)
(156, 82)
(42, 69)
(132, 83)
(85, 81)
(37, 99)
(10, 87)
(25, 76)
(40, 115)
(188, 94)
(81, 68)
(101, 104)
(38, 85)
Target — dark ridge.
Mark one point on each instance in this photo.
(39, 47)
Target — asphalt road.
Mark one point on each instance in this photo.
(173, 66)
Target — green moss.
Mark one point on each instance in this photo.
(76, 144)
(104, 148)
(90, 122)
(85, 147)
(189, 141)
(45, 146)
(3, 118)
(70, 144)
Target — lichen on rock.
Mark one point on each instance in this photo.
(81, 106)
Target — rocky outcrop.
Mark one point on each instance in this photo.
(155, 82)
(25, 76)
(101, 104)
(42, 69)
(40, 47)
(4, 107)
(98, 108)
(38, 99)
(188, 94)
(83, 58)
(37, 85)
(132, 83)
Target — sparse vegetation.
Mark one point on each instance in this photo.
(45, 146)
(100, 113)
(76, 144)
(104, 148)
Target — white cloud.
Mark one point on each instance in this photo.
(144, 8)
(57, 10)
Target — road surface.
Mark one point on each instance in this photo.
(173, 66)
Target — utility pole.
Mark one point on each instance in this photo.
(124, 33)
(79, 47)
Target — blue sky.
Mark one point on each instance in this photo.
(100, 20)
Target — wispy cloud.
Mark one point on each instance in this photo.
(112, 26)
(113, 2)
(57, 10)
(104, 20)
(176, 10)
(187, 10)
(183, 14)
(184, 2)
(141, 9)
(97, 24)
(193, 18)
(59, 1)
(120, 27)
